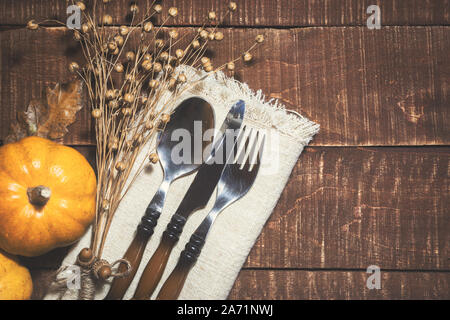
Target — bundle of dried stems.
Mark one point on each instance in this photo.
(125, 88)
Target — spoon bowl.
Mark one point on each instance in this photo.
(188, 122)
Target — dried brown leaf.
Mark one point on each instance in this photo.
(49, 117)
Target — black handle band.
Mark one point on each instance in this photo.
(193, 249)
(149, 222)
(174, 228)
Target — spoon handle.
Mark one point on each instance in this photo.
(136, 249)
(173, 285)
(134, 255)
(155, 267)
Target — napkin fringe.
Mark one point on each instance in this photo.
(269, 113)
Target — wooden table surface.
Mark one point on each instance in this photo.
(373, 186)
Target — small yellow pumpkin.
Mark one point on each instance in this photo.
(47, 196)
(15, 280)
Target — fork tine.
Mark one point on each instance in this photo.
(261, 149)
(243, 147)
(253, 152)
(239, 145)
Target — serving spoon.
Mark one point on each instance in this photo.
(192, 117)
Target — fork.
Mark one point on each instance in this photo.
(236, 180)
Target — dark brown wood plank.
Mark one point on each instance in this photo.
(250, 12)
(353, 207)
(296, 284)
(387, 87)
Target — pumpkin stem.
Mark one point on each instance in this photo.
(39, 195)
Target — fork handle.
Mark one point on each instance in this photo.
(173, 285)
(134, 254)
(155, 267)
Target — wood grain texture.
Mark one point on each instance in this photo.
(297, 284)
(386, 87)
(284, 13)
(353, 207)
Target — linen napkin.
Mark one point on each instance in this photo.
(236, 229)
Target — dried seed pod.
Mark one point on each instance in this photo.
(232, 6)
(205, 60)
(129, 77)
(73, 67)
(115, 52)
(153, 157)
(172, 83)
(230, 66)
(134, 8)
(76, 35)
(105, 205)
(159, 43)
(247, 56)
(211, 36)
(204, 34)
(120, 166)
(148, 26)
(173, 34)
(85, 28)
(113, 104)
(259, 38)
(147, 65)
(182, 78)
(128, 97)
(168, 68)
(157, 8)
(130, 56)
(149, 125)
(195, 44)
(153, 83)
(138, 139)
(96, 113)
(119, 40)
(123, 30)
(164, 56)
(127, 112)
(218, 36)
(144, 99)
(104, 47)
(173, 11)
(112, 46)
(208, 68)
(81, 5)
(148, 57)
(32, 25)
(157, 67)
(179, 53)
(212, 15)
(113, 146)
(119, 67)
(107, 19)
(165, 117)
(110, 94)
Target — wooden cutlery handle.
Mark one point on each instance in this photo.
(173, 285)
(155, 267)
(153, 271)
(134, 254)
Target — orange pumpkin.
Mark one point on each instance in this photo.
(15, 280)
(47, 196)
